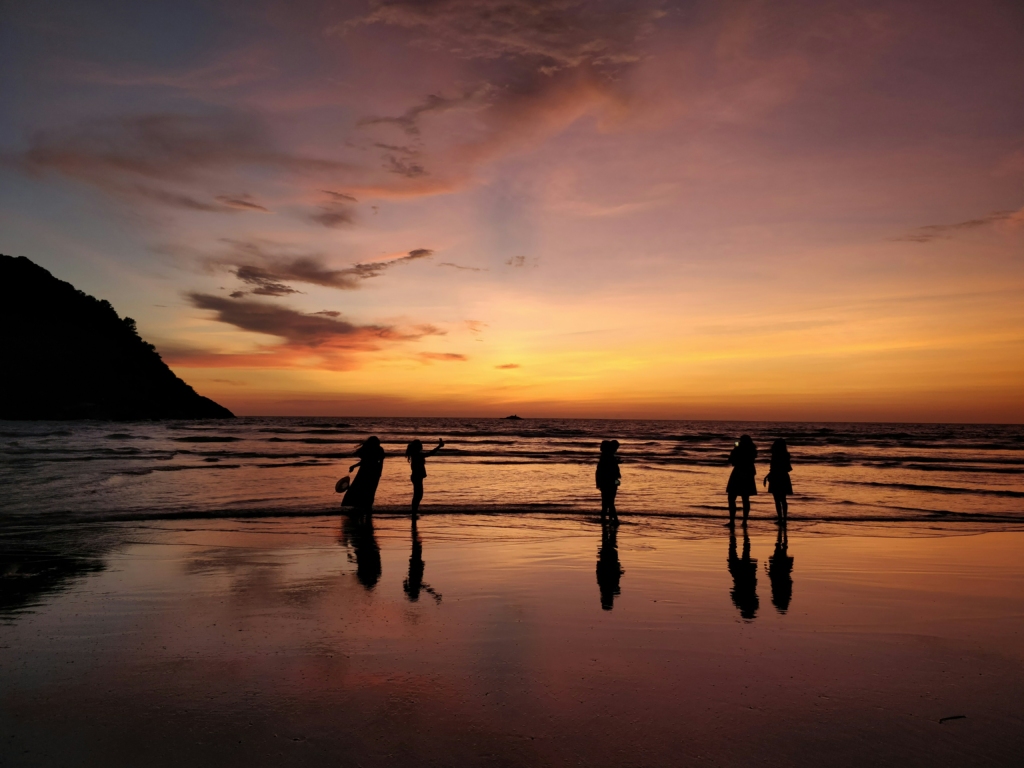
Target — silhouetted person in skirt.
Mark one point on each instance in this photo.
(417, 459)
(741, 481)
(608, 475)
(777, 479)
(361, 493)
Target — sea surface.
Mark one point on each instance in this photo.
(260, 467)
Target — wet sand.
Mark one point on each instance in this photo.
(498, 640)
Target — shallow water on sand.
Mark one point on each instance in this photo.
(254, 467)
(503, 640)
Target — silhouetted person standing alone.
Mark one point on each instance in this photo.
(608, 569)
(741, 481)
(361, 493)
(607, 476)
(777, 479)
(744, 577)
(417, 459)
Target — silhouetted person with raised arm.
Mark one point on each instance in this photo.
(413, 584)
(777, 479)
(780, 571)
(417, 459)
(744, 577)
(741, 481)
(357, 532)
(608, 569)
(361, 493)
(607, 476)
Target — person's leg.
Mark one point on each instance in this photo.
(746, 509)
(611, 504)
(417, 494)
(785, 508)
(779, 502)
(732, 509)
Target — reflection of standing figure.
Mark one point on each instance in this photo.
(357, 532)
(744, 577)
(608, 569)
(607, 476)
(414, 582)
(361, 493)
(417, 459)
(780, 571)
(777, 479)
(741, 481)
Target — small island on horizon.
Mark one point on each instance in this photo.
(68, 355)
(513, 417)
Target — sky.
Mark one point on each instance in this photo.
(804, 210)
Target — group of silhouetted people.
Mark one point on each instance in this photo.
(359, 497)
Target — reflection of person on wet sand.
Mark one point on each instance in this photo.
(780, 571)
(357, 533)
(741, 481)
(414, 583)
(744, 577)
(608, 569)
(361, 493)
(777, 479)
(607, 476)
(417, 459)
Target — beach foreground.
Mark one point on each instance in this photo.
(503, 640)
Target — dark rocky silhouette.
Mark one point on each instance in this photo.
(68, 355)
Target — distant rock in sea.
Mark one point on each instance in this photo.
(513, 417)
(67, 355)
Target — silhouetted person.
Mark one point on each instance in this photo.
(608, 569)
(414, 582)
(357, 532)
(777, 479)
(741, 481)
(744, 577)
(608, 475)
(361, 493)
(417, 459)
(780, 571)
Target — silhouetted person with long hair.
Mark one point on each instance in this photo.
(608, 569)
(777, 479)
(417, 459)
(607, 476)
(741, 481)
(361, 493)
(744, 577)
(357, 532)
(413, 584)
(780, 571)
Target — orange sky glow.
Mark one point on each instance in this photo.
(740, 210)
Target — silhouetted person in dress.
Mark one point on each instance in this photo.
(780, 571)
(741, 481)
(777, 479)
(414, 582)
(361, 493)
(608, 569)
(744, 577)
(608, 475)
(417, 459)
(357, 533)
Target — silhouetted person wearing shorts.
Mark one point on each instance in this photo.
(741, 481)
(777, 479)
(608, 476)
(417, 459)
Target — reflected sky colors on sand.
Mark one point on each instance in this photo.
(302, 640)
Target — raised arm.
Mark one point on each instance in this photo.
(436, 448)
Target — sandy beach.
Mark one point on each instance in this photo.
(488, 640)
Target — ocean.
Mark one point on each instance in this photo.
(60, 472)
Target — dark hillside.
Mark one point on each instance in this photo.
(67, 355)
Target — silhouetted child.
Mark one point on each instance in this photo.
(741, 480)
(608, 475)
(777, 479)
(417, 458)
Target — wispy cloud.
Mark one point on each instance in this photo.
(945, 231)
(507, 366)
(444, 357)
(460, 266)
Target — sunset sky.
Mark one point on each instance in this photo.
(769, 210)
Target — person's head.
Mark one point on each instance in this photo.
(746, 446)
(609, 447)
(369, 445)
(779, 448)
(415, 447)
